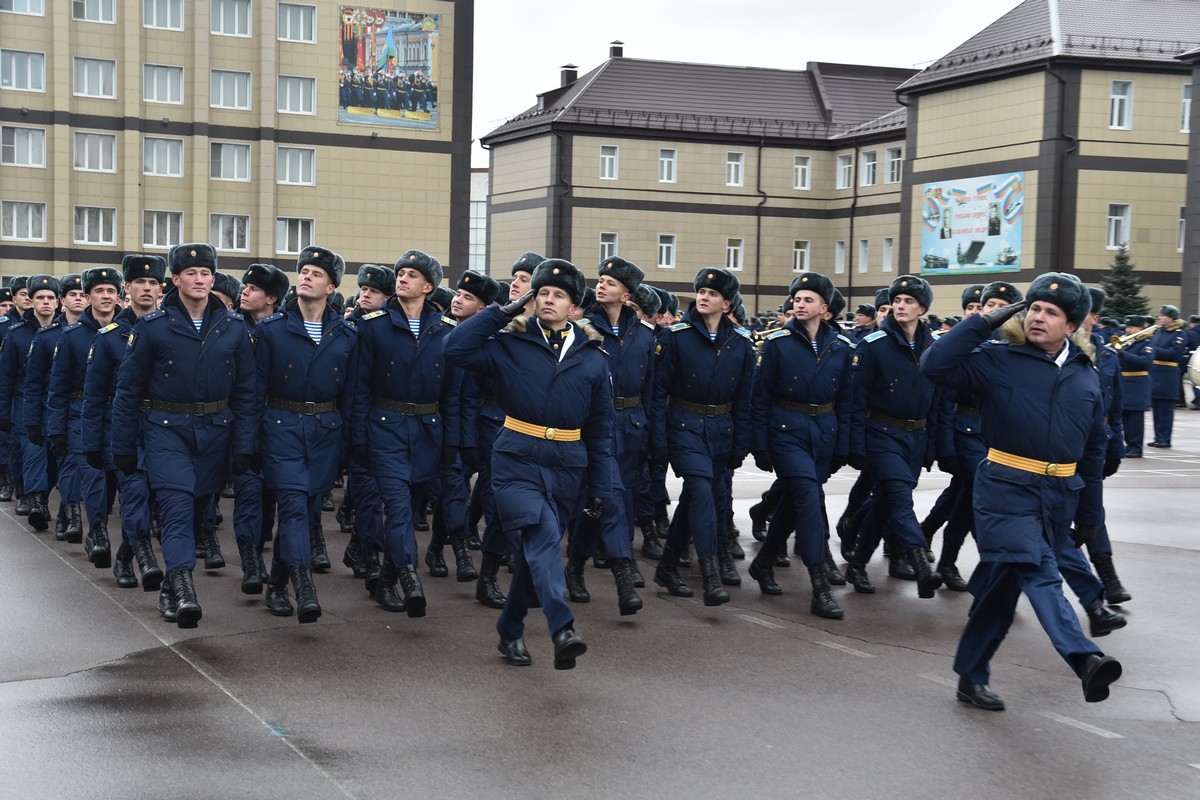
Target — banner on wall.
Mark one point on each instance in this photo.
(972, 225)
(387, 74)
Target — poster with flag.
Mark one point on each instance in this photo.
(972, 225)
(388, 70)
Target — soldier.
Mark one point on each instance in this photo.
(189, 376)
(40, 470)
(522, 273)
(1170, 345)
(1136, 359)
(649, 301)
(6, 439)
(864, 322)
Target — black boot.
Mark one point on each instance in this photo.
(251, 579)
(847, 531)
(651, 546)
(24, 503)
(639, 582)
(627, 598)
(368, 566)
(949, 571)
(320, 553)
(898, 567)
(464, 565)
(96, 545)
(576, 586)
(166, 602)
(832, 573)
(123, 567)
(1101, 621)
(762, 569)
(856, 575)
(277, 600)
(685, 558)
(758, 521)
(211, 547)
(39, 514)
(928, 581)
(352, 555)
(187, 607)
(345, 515)
(487, 591)
(735, 547)
(710, 574)
(228, 492)
(782, 561)
(1096, 671)
(1114, 592)
(152, 575)
(6, 487)
(307, 607)
(823, 604)
(327, 502)
(433, 555)
(729, 573)
(414, 593)
(385, 588)
(60, 523)
(600, 557)
(666, 574)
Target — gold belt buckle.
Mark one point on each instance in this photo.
(550, 433)
(1052, 469)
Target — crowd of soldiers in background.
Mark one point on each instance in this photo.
(399, 91)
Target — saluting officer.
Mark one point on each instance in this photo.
(1170, 346)
(189, 376)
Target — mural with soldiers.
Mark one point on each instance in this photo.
(387, 74)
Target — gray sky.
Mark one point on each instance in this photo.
(521, 44)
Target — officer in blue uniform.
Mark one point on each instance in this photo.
(402, 404)
(651, 303)
(700, 423)
(1170, 346)
(551, 378)
(1136, 359)
(41, 469)
(6, 438)
(657, 497)
(189, 377)
(142, 276)
(799, 417)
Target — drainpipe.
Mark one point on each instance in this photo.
(762, 201)
(1060, 194)
(556, 247)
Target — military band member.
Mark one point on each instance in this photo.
(1170, 345)
(46, 291)
(1136, 358)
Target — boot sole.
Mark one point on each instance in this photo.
(252, 587)
(214, 563)
(839, 614)
(188, 617)
(101, 559)
(630, 608)
(928, 588)
(307, 615)
(716, 601)
(465, 576)
(278, 612)
(964, 698)
(414, 607)
(682, 591)
(1096, 688)
(566, 659)
(152, 580)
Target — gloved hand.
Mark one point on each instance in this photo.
(95, 459)
(34, 433)
(1111, 465)
(857, 461)
(244, 462)
(58, 446)
(517, 307)
(948, 465)
(928, 464)
(736, 461)
(997, 317)
(449, 454)
(762, 460)
(470, 458)
(836, 463)
(660, 456)
(1082, 534)
(594, 508)
(125, 462)
(360, 454)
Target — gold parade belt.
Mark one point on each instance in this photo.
(542, 432)
(195, 409)
(1031, 464)
(408, 409)
(1134, 374)
(307, 407)
(1166, 363)
(812, 409)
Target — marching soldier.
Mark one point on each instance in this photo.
(1136, 358)
(1170, 345)
(7, 442)
(40, 470)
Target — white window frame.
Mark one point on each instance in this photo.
(889, 254)
(11, 208)
(802, 173)
(150, 9)
(33, 8)
(801, 254)
(98, 6)
(154, 75)
(112, 225)
(31, 136)
(735, 168)
(893, 165)
(845, 171)
(79, 62)
(1185, 109)
(288, 85)
(147, 142)
(666, 251)
(155, 217)
(283, 158)
(216, 231)
(82, 159)
(216, 98)
(284, 14)
(610, 162)
(224, 13)
(864, 255)
(1120, 224)
(1180, 238)
(839, 257)
(735, 253)
(868, 167)
(36, 77)
(235, 147)
(1120, 106)
(609, 244)
(668, 165)
(301, 222)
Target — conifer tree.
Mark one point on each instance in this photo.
(1123, 290)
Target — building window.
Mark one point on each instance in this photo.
(839, 257)
(228, 231)
(864, 254)
(95, 77)
(293, 234)
(868, 168)
(296, 95)
(666, 251)
(22, 70)
(230, 89)
(1120, 105)
(895, 165)
(229, 162)
(1179, 237)
(23, 7)
(735, 250)
(297, 23)
(887, 254)
(20, 221)
(608, 162)
(477, 246)
(95, 152)
(845, 171)
(162, 157)
(231, 17)
(1185, 110)
(800, 254)
(92, 10)
(608, 245)
(166, 14)
(162, 228)
(22, 147)
(666, 165)
(296, 165)
(1117, 235)
(95, 225)
(735, 164)
(162, 84)
(802, 172)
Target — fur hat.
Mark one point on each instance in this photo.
(647, 299)
(972, 294)
(1135, 320)
(196, 254)
(18, 283)
(673, 304)
(838, 304)
(337, 300)
(71, 282)
(865, 309)
(1001, 290)
(378, 277)
(482, 286)
(560, 273)
(442, 297)
(423, 263)
(1098, 298)
(527, 262)
(882, 298)
(95, 276)
(40, 283)
(664, 299)
(628, 273)
(137, 265)
(813, 282)
(268, 277)
(227, 285)
(719, 280)
(1169, 311)
(1064, 291)
(915, 287)
(326, 260)
(589, 297)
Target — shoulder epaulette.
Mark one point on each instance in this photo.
(777, 334)
(349, 323)
(112, 326)
(647, 323)
(272, 318)
(235, 315)
(155, 314)
(450, 321)
(373, 315)
(745, 333)
(876, 335)
(680, 326)
(845, 339)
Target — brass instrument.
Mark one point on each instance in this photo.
(1121, 342)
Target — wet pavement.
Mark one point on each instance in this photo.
(99, 698)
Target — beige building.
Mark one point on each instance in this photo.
(133, 125)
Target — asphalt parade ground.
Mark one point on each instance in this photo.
(101, 699)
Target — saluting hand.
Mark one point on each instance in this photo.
(517, 307)
(997, 317)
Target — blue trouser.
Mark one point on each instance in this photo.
(494, 541)
(891, 510)
(1135, 430)
(297, 510)
(537, 573)
(860, 492)
(697, 515)
(182, 514)
(450, 505)
(253, 509)
(70, 487)
(801, 509)
(368, 507)
(1164, 419)
(135, 506)
(35, 468)
(1077, 573)
(93, 484)
(399, 543)
(943, 507)
(658, 485)
(643, 491)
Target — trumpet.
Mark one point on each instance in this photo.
(1121, 342)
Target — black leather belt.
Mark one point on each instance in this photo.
(966, 410)
(811, 409)
(408, 409)
(698, 408)
(888, 419)
(195, 409)
(621, 403)
(308, 408)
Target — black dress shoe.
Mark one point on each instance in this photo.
(979, 695)
(1096, 672)
(568, 646)
(514, 652)
(763, 573)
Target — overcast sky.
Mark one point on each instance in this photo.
(521, 44)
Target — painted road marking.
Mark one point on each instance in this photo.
(758, 621)
(844, 649)
(1083, 726)
(939, 679)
